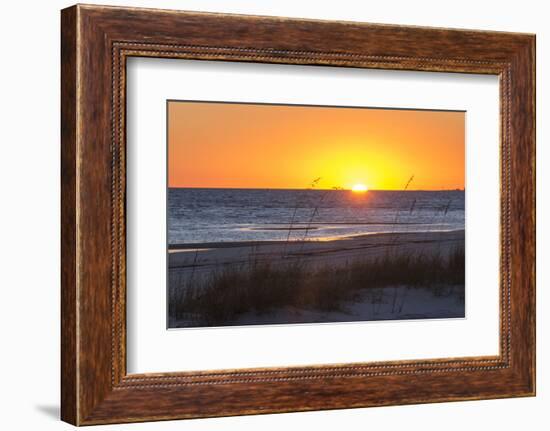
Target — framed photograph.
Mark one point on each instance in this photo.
(287, 214)
(266, 215)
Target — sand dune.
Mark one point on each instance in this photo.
(225, 277)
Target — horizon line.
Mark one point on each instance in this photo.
(317, 188)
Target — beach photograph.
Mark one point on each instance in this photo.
(283, 214)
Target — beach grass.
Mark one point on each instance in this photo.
(262, 287)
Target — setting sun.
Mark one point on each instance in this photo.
(359, 188)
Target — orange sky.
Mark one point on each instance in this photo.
(268, 146)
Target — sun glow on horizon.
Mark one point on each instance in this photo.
(286, 146)
(359, 188)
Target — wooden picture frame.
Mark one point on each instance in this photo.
(95, 43)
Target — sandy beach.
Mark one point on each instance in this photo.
(389, 276)
(200, 257)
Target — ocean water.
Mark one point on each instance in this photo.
(197, 216)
